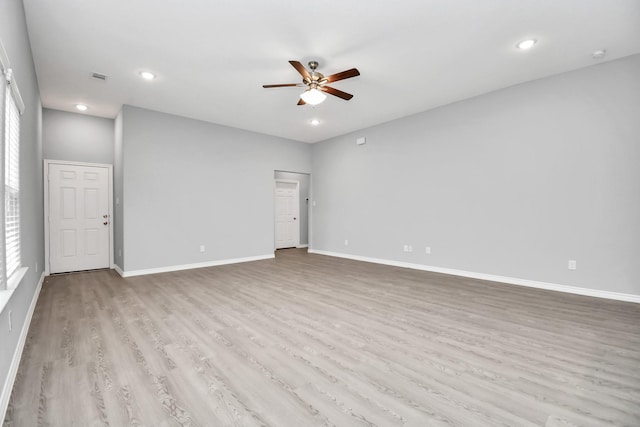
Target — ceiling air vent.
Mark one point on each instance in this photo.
(99, 76)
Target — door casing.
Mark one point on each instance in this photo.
(47, 163)
(296, 212)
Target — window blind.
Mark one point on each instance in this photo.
(12, 185)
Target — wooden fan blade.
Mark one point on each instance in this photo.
(343, 75)
(301, 102)
(335, 92)
(300, 68)
(282, 85)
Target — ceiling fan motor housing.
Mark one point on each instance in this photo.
(315, 78)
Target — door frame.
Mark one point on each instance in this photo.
(275, 208)
(45, 177)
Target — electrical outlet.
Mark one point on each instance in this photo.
(428, 250)
(10, 321)
(572, 264)
(410, 248)
(405, 248)
(201, 248)
(346, 242)
(119, 252)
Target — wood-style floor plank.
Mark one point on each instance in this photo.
(309, 340)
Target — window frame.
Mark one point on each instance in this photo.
(11, 109)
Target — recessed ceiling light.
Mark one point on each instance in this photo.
(147, 75)
(526, 44)
(315, 122)
(598, 54)
(82, 107)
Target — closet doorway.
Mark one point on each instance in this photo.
(291, 210)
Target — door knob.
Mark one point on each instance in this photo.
(105, 223)
(294, 218)
(104, 216)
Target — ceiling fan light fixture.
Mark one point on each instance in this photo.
(317, 83)
(313, 96)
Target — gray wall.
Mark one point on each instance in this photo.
(188, 183)
(513, 183)
(77, 137)
(13, 33)
(304, 180)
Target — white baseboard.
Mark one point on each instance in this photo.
(118, 270)
(490, 277)
(191, 266)
(17, 355)
(302, 246)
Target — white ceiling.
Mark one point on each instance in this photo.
(212, 57)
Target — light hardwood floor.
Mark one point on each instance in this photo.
(309, 340)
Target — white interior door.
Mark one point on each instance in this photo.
(287, 214)
(79, 221)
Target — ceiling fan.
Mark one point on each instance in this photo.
(316, 83)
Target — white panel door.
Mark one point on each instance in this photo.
(79, 230)
(287, 214)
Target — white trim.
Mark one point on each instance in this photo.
(46, 164)
(302, 246)
(192, 266)
(16, 278)
(119, 270)
(17, 355)
(5, 67)
(490, 277)
(5, 296)
(12, 284)
(275, 208)
(13, 86)
(4, 58)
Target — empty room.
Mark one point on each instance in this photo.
(281, 213)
